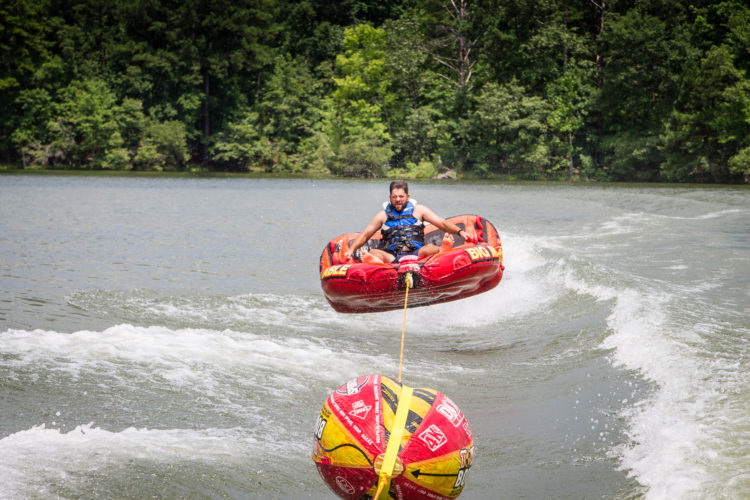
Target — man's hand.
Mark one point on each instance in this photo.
(470, 237)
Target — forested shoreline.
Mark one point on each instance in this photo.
(605, 90)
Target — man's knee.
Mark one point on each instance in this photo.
(428, 249)
(384, 256)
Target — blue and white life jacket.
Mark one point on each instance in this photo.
(402, 229)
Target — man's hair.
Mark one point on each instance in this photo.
(399, 185)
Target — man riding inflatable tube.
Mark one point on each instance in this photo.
(401, 223)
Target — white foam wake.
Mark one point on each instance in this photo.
(520, 293)
(37, 457)
(664, 430)
(191, 358)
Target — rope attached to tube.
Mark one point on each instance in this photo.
(402, 411)
(409, 284)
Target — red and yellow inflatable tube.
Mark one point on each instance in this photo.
(353, 432)
(464, 270)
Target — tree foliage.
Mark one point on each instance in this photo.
(611, 90)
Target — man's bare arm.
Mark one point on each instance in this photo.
(435, 219)
(443, 224)
(365, 235)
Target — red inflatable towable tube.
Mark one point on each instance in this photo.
(435, 448)
(464, 270)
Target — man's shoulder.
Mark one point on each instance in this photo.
(420, 209)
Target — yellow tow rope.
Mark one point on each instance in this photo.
(402, 411)
(403, 327)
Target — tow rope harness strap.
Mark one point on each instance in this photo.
(409, 281)
(402, 411)
(394, 443)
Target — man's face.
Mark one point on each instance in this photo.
(399, 199)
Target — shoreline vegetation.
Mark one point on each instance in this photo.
(258, 173)
(586, 91)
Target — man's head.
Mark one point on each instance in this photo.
(399, 195)
(399, 185)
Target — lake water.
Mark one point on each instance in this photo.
(168, 338)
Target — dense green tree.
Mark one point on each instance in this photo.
(600, 89)
(22, 41)
(513, 128)
(271, 133)
(415, 121)
(711, 122)
(290, 110)
(86, 114)
(30, 136)
(570, 98)
(565, 76)
(641, 78)
(131, 123)
(738, 36)
(23, 47)
(355, 123)
(241, 144)
(164, 146)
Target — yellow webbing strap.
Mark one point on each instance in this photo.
(394, 442)
(403, 327)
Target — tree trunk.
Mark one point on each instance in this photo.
(206, 117)
(597, 156)
(570, 153)
(565, 40)
(460, 63)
